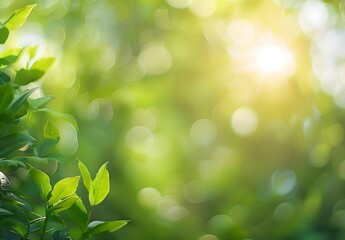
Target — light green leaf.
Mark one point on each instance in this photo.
(19, 17)
(3, 34)
(101, 185)
(50, 131)
(63, 188)
(43, 182)
(10, 56)
(6, 96)
(40, 102)
(86, 177)
(25, 77)
(97, 227)
(64, 204)
(43, 64)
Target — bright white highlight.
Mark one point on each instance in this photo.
(276, 60)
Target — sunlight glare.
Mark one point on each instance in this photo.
(275, 60)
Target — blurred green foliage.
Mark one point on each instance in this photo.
(220, 119)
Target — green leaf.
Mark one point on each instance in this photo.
(12, 163)
(43, 64)
(97, 227)
(25, 77)
(10, 56)
(78, 214)
(6, 96)
(101, 185)
(50, 131)
(21, 99)
(5, 212)
(60, 234)
(4, 78)
(14, 142)
(3, 34)
(63, 188)
(64, 204)
(86, 177)
(40, 102)
(19, 17)
(43, 182)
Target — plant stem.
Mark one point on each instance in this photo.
(44, 224)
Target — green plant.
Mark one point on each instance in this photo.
(19, 148)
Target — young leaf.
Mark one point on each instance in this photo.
(19, 17)
(10, 56)
(40, 102)
(6, 96)
(63, 188)
(25, 77)
(43, 182)
(86, 177)
(64, 204)
(43, 64)
(50, 131)
(68, 117)
(3, 34)
(97, 227)
(101, 185)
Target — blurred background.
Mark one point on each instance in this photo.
(220, 119)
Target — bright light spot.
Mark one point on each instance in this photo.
(244, 121)
(155, 59)
(283, 211)
(203, 132)
(149, 197)
(283, 181)
(68, 142)
(313, 15)
(203, 8)
(275, 60)
(100, 108)
(140, 139)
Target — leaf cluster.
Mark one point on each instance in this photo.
(21, 149)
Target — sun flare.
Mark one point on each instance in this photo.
(274, 60)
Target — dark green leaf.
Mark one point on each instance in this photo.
(14, 142)
(60, 234)
(4, 78)
(43, 182)
(5, 212)
(6, 96)
(19, 17)
(25, 77)
(12, 162)
(20, 100)
(77, 213)
(3, 34)
(63, 188)
(40, 102)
